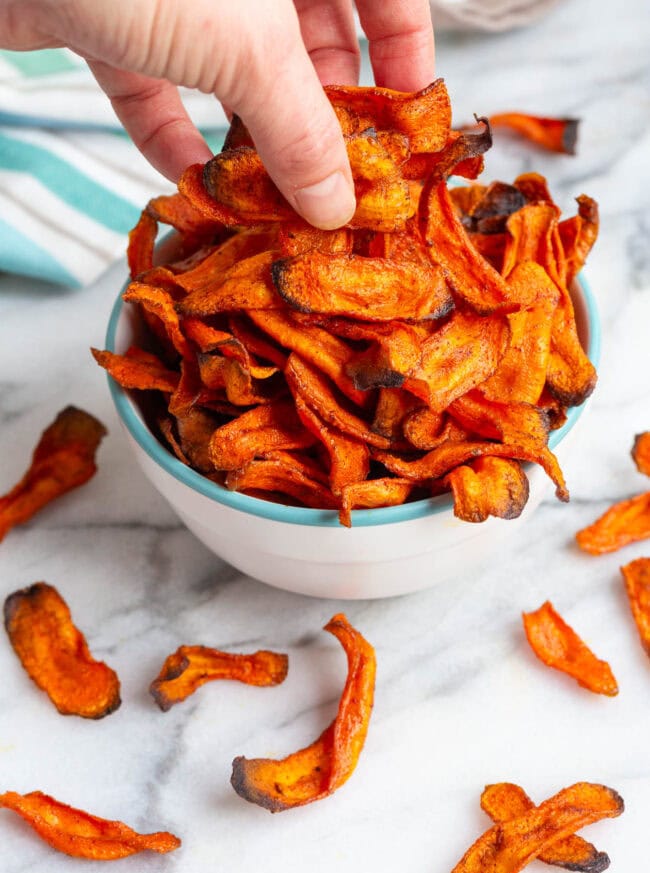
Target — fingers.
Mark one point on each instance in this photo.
(329, 34)
(401, 42)
(296, 130)
(155, 118)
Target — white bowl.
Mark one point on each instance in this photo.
(390, 551)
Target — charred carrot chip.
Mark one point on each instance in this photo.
(623, 523)
(489, 213)
(255, 432)
(530, 230)
(458, 357)
(554, 134)
(637, 584)
(238, 179)
(349, 458)
(55, 653)
(255, 341)
(195, 430)
(192, 187)
(297, 237)
(641, 452)
(305, 381)
(81, 835)
(558, 646)
(395, 350)
(505, 801)
(318, 770)
(578, 234)
(371, 494)
(488, 486)
(508, 846)
(359, 287)
(471, 277)
(426, 429)
(520, 375)
(451, 454)
(283, 476)
(189, 667)
(508, 422)
(424, 117)
(246, 285)
(461, 156)
(63, 459)
(144, 374)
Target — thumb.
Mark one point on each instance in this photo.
(299, 139)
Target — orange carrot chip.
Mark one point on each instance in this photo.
(558, 646)
(509, 846)
(81, 835)
(636, 575)
(554, 134)
(641, 452)
(625, 522)
(189, 667)
(63, 459)
(55, 653)
(318, 770)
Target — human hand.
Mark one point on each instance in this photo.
(264, 59)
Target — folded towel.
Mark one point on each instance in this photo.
(488, 15)
(71, 182)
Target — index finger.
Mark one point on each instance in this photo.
(400, 34)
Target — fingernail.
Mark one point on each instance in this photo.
(328, 204)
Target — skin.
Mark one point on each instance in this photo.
(263, 59)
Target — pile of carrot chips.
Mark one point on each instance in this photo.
(524, 832)
(428, 346)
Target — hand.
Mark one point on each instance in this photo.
(264, 59)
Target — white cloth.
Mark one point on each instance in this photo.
(490, 15)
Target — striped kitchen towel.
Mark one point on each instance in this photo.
(71, 183)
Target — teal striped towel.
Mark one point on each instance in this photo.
(71, 183)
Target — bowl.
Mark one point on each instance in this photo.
(387, 552)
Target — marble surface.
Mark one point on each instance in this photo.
(461, 700)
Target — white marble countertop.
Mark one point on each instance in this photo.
(461, 701)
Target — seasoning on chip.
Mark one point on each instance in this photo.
(437, 320)
(636, 575)
(55, 653)
(508, 846)
(625, 522)
(557, 645)
(504, 801)
(189, 667)
(63, 459)
(81, 835)
(318, 770)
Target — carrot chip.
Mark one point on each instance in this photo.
(189, 667)
(508, 846)
(636, 575)
(63, 459)
(558, 646)
(55, 653)
(318, 770)
(81, 835)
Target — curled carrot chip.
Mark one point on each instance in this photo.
(142, 372)
(255, 432)
(623, 523)
(281, 475)
(505, 801)
(558, 646)
(318, 770)
(371, 494)
(55, 653)
(189, 667)
(141, 244)
(81, 835)
(393, 405)
(508, 846)
(554, 134)
(246, 285)
(488, 486)
(578, 234)
(636, 575)
(63, 459)
(641, 452)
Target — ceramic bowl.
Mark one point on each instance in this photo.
(386, 552)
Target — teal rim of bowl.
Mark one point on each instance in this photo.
(298, 514)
